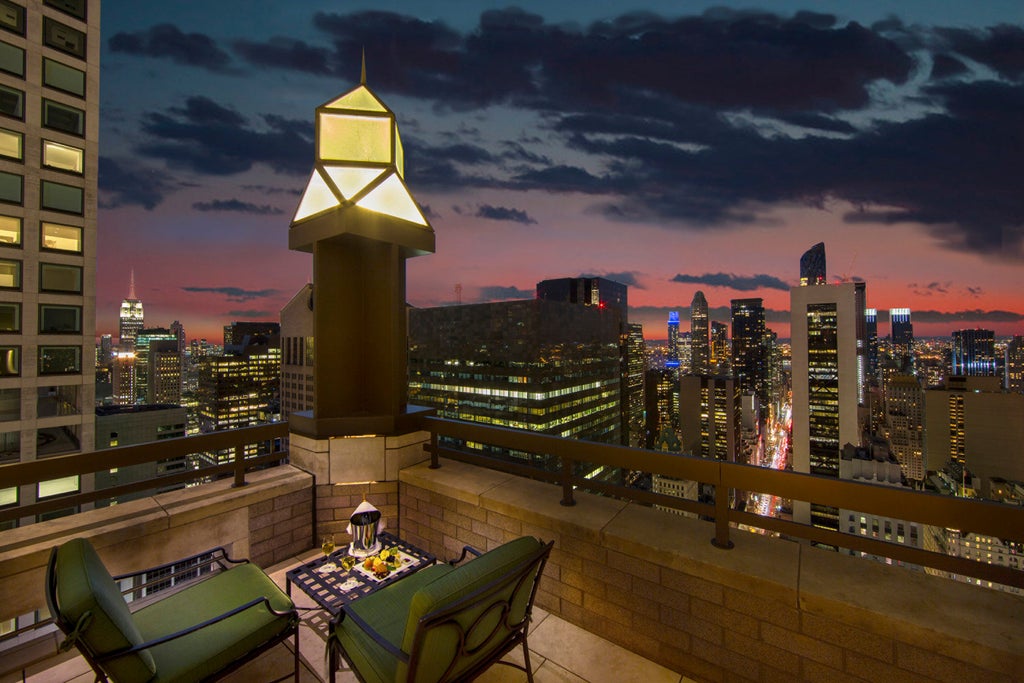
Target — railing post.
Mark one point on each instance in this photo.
(567, 498)
(239, 460)
(721, 539)
(434, 459)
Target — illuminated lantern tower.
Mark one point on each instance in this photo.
(361, 223)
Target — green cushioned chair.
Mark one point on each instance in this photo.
(196, 633)
(443, 623)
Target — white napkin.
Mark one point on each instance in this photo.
(366, 507)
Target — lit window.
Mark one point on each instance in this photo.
(10, 274)
(9, 496)
(63, 157)
(57, 237)
(58, 487)
(12, 144)
(10, 361)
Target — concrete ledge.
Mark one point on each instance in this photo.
(769, 609)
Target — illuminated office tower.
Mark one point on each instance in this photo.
(541, 365)
(974, 353)
(721, 363)
(700, 344)
(749, 357)
(637, 365)
(871, 327)
(49, 102)
(143, 339)
(1015, 365)
(661, 406)
(163, 372)
(827, 327)
(812, 266)
(904, 423)
(709, 416)
(123, 378)
(131, 319)
(685, 353)
(902, 339)
(672, 356)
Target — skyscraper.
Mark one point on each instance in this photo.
(812, 266)
(721, 361)
(145, 340)
(904, 423)
(827, 326)
(974, 353)
(672, 355)
(749, 356)
(636, 367)
(902, 337)
(700, 344)
(1015, 364)
(49, 101)
(131, 319)
(871, 326)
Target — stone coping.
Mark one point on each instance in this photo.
(939, 614)
(141, 533)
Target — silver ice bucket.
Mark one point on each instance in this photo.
(364, 532)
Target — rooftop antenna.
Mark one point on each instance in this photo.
(131, 284)
(362, 71)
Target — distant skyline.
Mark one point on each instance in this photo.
(669, 151)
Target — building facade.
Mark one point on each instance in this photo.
(700, 335)
(974, 353)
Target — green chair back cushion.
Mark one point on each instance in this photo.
(83, 584)
(479, 628)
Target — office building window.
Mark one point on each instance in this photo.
(10, 231)
(60, 360)
(63, 157)
(12, 59)
(57, 237)
(10, 274)
(60, 197)
(55, 277)
(10, 404)
(57, 487)
(12, 144)
(10, 361)
(63, 77)
(55, 319)
(12, 17)
(11, 187)
(12, 102)
(63, 118)
(75, 8)
(9, 496)
(63, 38)
(10, 316)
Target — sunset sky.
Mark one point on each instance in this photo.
(669, 151)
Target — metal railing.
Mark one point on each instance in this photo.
(985, 517)
(273, 436)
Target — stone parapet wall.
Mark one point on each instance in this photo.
(768, 610)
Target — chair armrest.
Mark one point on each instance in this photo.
(192, 629)
(370, 631)
(466, 550)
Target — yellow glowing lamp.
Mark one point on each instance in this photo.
(359, 168)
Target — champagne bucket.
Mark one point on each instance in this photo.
(364, 532)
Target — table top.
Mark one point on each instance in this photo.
(332, 590)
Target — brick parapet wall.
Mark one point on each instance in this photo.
(768, 610)
(335, 504)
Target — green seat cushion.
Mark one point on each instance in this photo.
(387, 612)
(210, 649)
(487, 626)
(84, 584)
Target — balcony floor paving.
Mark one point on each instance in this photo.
(560, 652)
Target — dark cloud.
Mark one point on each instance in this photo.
(266, 189)
(235, 294)
(285, 53)
(169, 42)
(967, 317)
(207, 138)
(627, 278)
(931, 288)
(721, 313)
(126, 183)
(742, 283)
(1000, 47)
(238, 206)
(501, 213)
(253, 314)
(501, 293)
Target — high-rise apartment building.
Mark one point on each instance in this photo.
(1015, 365)
(974, 353)
(700, 335)
(49, 106)
(904, 423)
(827, 328)
(131, 318)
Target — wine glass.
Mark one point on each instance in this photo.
(327, 546)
